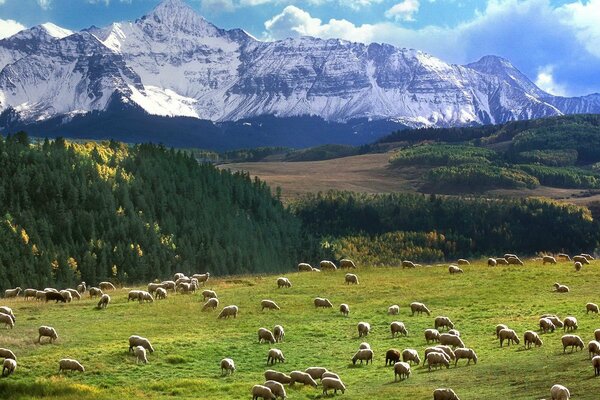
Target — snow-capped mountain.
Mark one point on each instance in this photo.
(172, 62)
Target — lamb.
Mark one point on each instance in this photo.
(346, 263)
(201, 278)
(364, 345)
(10, 293)
(344, 309)
(453, 269)
(326, 265)
(8, 366)
(210, 304)
(594, 348)
(451, 340)
(27, 293)
(279, 333)
(491, 262)
(591, 307)
(398, 327)
(6, 353)
(323, 303)
(74, 294)
(444, 394)
(104, 300)
(133, 295)
(95, 292)
(561, 288)
(408, 264)
(363, 355)
(394, 309)
(7, 321)
(227, 366)
(432, 335)
(443, 322)
(66, 295)
(435, 359)
(581, 259)
(409, 355)
(106, 286)
(402, 370)
(140, 354)
(351, 278)
(275, 355)
(546, 325)
(559, 392)
(265, 335)
(135, 340)
(81, 288)
(501, 261)
(392, 356)
(363, 329)
(419, 308)
(209, 294)
(302, 377)
(47, 331)
(263, 392)
(169, 285)
(572, 341)
(55, 296)
(531, 337)
(596, 365)
(304, 267)
(548, 259)
(268, 304)
(228, 311)
(283, 282)
(578, 266)
(509, 335)
(462, 261)
(161, 293)
(67, 364)
(316, 372)
(276, 388)
(570, 324)
(465, 353)
(280, 377)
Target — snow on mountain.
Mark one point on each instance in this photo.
(172, 62)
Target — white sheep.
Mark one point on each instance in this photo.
(363, 355)
(451, 340)
(329, 374)
(559, 392)
(140, 354)
(27, 293)
(268, 304)
(346, 263)
(106, 286)
(453, 269)
(443, 322)
(133, 295)
(351, 278)
(581, 259)
(94, 292)
(596, 365)
(8, 311)
(419, 308)
(564, 256)
(327, 265)
(178, 275)
(160, 293)
(463, 261)
(67, 364)
(6, 353)
(169, 285)
(227, 366)
(40, 295)
(444, 394)
(454, 332)
(81, 288)
(531, 337)
(135, 340)
(501, 261)
(302, 377)
(363, 328)
(263, 392)
(209, 294)
(104, 300)
(275, 355)
(408, 264)
(283, 282)
(570, 324)
(514, 260)
(210, 304)
(332, 383)
(591, 307)
(144, 296)
(572, 341)
(432, 335)
(228, 311)
(593, 348)
(364, 345)
(8, 366)
(546, 325)
(316, 372)
(276, 388)
(202, 278)
(265, 335)
(279, 333)
(491, 262)
(578, 266)
(398, 328)
(554, 319)
(436, 359)
(344, 309)
(548, 259)
(304, 267)
(394, 309)
(152, 287)
(509, 335)
(402, 370)
(47, 331)
(74, 293)
(561, 288)
(271, 375)
(8, 293)
(7, 321)
(465, 353)
(409, 355)
(323, 303)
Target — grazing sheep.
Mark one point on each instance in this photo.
(408, 264)
(432, 335)
(227, 366)
(74, 294)
(351, 278)
(548, 259)
(228, 311)
(561, 288)
(364, 345)
(591, 307)
(8, 366)
(392, 356)
(265, 335)
(169, 285)
(491, 262)
(444, 394)
(40, 295)
(279, 333)
(133, 295)
(329, 374)
(436, 359)
(570, 324)
(209, 294)
(363, 355)
(8, 293)
(302, 377)
(106, 286)
(152, 287)
(509, 255)
(563, 256)
(363, 328)
(402, 370)
(275, 355)
(411, 355)
(201, 278)
(323, 303)
(593, 348)
(6, 353)
(135, 340)
(55, 296)
(499, 327)
(27, 293)
(332, 383)
(597, 334)
(271, 375)
(398, 328)
(559, 392)
(532, 337)
(514, 261)
(596, 365)
(588, 256)
(394, 309)
(546, 325)
(140, 354)
(161, 293)
(95, 292)
(67, 364)
(451, 340)
(419, 308)
(454, 332)
(327, 265)
(47, 331)
(183, 279)
(268, 304)
(453, 269)
(501, 261)
(315, 372)
(263, 392)
(210, 304)
(304, 267)
(578, 266)
(346, 263)
(344, 309)
(509, 335)
(144, 296)
(81, 288)
(283, 282)
(50, 290)
(7, 321)
(581, 259)
(104, 300)
(463, 261)
(186, 288)
(443, 322)
(178, 275)
(276, 388)
(445, 350)
(571, 341)
(465, 353)
(554, 319)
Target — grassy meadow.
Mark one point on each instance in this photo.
(190, 343)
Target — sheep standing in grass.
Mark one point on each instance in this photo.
(588, 256)
(283, 282)
(74, 293)
(581, 259)
(571, 341)
(269, 305)
(40, 295)
(344, 309)
(133, 295)
(570, 324)
(11, 293)
(104, 300)
(106, 286)
(210, 304)
(327, 265)
(578, 266)
(563, 256)
(265, 335)
(491, 262)
(47, 331)
(363, 355)
(227, 366)
(67, 364)
(465, 353)
(322, 303)
(561, 288)
(271, 375)
(6, 353)
(463, 261)
(419, 308)
(596, 365)
(453, 269)
(508, 335)
(144, 296)
(329, 374)
(7, 321)
(591, 307)
(276, 388)
(8, 366)
(559, 392)
(263, 392)
(161, 293)
(410, 355)
(302, 377)
(346, 263)
(152, 287)
(135, 340)
(228, 311)
(392, 356)
(95, 292)
(169, 285)
(514, 261)
(8, 311)
(140, 354)
(351, 278)
(437, 360)
(275, 355)
(279, 333)
(531, 337)
(548, 259)
(332, 383)
(443, 322)
(304, 267)
(201, 278)
(501, 261)
(402, 370)
(444, 394)
(554, 319)
(66, 295)
(394, 309)
(209, 294)
(363, 328)
(81, 288)
(451, 340)
(432, 335)
(408, 264)
(398, 328)
(316, 372)
(594, 348)
(27, 293)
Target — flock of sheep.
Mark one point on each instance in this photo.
(447, 344)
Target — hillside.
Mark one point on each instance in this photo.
(189, 343)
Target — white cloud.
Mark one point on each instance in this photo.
(45, 4)
(2, 2)
(585, 17)
(9, 27)
(545, 81)
(404, 11)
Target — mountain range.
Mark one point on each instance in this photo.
(173, 77)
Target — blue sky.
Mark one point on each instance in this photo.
(554, 42)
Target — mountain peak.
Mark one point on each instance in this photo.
(55, 30)
(177, 15)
